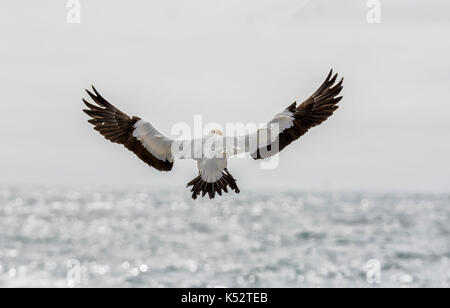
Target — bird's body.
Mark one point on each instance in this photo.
(213, 150)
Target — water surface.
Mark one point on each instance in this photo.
(145, 238)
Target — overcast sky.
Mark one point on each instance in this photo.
(230, 61)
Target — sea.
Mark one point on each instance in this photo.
(104, 237)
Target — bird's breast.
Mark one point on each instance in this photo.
(211, 168)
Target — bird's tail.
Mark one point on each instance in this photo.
(201, 187)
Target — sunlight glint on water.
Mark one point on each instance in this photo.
(256, 239)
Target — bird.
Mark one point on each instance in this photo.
(159, 151)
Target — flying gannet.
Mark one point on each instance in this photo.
(159, 151)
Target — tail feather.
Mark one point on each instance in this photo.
(232, 182)
(201, 187)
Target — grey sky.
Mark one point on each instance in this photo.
(231, 61)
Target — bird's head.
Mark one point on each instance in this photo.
(217, 132)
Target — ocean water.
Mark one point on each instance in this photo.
(144, 238)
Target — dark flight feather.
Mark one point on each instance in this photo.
(312, 112)
(118, 127)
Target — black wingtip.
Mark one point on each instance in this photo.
(95, 91)
(86, 102)
(91, 95)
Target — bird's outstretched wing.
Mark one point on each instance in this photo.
(295, 120)
(136, 135)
